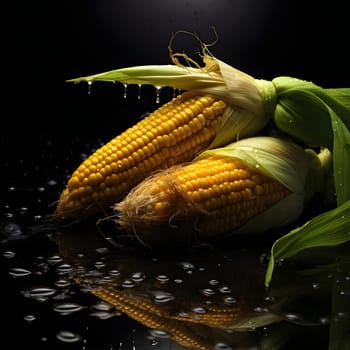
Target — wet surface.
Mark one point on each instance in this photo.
(85, 287)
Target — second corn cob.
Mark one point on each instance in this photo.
(221, 191)
(174, 133)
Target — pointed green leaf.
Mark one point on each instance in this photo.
(327, 229)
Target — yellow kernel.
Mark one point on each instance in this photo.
(74, 182)
(95, 179)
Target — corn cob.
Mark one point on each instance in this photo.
(208, 197)
(174, 133)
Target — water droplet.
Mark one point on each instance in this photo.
(102, 250)
(125, 94)
(213, 282)
(224, 290)
(222, 346)
(138, 276)
(316, 285)
(67, 308)
(157, 333)
(29, 318)
(162, 296)
(230, 300)
(324, 320)
(139, 92)
(199, 310)
(162, 278)
(89, 86)
(207, 292)
(62, 283)
(293, 317)
(68, 337)
(13, 230)
(128, 284)
(19, 272)
(186, 265)
(55, 259)
(99, 264)
(158, 91)
(114, 273)
(64, 269)
(8, 254)
(102, 306)
(41, 293)
(178, 280)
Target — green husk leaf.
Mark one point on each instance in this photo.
(301, 171)
(341, 158)
(328, 229)
(159, 75)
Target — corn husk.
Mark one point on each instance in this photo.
(302, 171)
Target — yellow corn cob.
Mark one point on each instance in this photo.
(174, 133)
(206, 198)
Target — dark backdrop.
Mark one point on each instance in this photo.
(50, 125)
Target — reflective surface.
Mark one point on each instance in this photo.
(87, 287)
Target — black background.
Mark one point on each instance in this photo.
(48, 125)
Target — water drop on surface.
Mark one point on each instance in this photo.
(224, 290)
(213, 282)
(64, 268)
(128, 284)
(207, 292)
(62, 283)
(222, 346)
(186, 265)
(8, 254)
(157, 333)
(29, 318)
(19, 272)
(230, 300)
(162, 278)
(67, 308)
(42, 292)
(138, 276)
(161, 297)
(54, 259)
(68, 337)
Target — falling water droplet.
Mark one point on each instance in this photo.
(158, 91)
(125, 90)
(139, 92)
(89, 87)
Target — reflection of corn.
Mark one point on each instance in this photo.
(174, 133)
(211, 195)
(156, 317)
